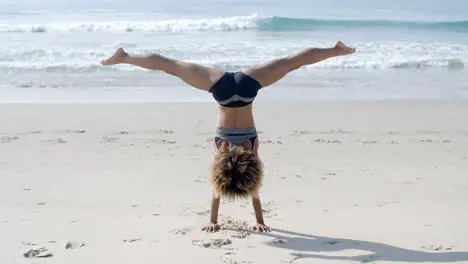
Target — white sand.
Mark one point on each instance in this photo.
(346, 182)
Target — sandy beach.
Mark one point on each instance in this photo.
(346, 182)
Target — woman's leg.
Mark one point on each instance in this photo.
(269, 73)
(198, 76)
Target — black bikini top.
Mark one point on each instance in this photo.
(235, 89)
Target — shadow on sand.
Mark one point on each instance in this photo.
(307, 246)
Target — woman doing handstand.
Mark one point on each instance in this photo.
(237, 171)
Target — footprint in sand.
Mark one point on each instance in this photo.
(435, 141)
(181, 231)
(54, 141)
(72, 131)
(369, 142)
(296, 256)
(387, 203)
(131, 240)
(268, 213)
(199, 146)
(370, 259)
(329, 132)
(40, 252)
(324, 141)
(203, 213)
(166, 131)
(166, 142)
(331, 242)
(74, 245)
(430, 132)
(230, 251)
(212, 243)
(8, 139)
(438, 247)
(107, 139)
(226, 259)
(236, 229)
(268, 210)
(276, 142)
(28, 243)
(279, 241)
(195, 210)
(328, 174)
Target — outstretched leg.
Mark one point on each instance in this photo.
(198, 76)
(269, 73)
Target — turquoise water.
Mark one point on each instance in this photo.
(50, 50)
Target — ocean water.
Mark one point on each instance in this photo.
(50, 50)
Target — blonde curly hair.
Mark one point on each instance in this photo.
(236, 171)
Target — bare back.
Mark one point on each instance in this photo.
(239, 117)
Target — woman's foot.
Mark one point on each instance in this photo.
(117, 58)
(343, 49)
